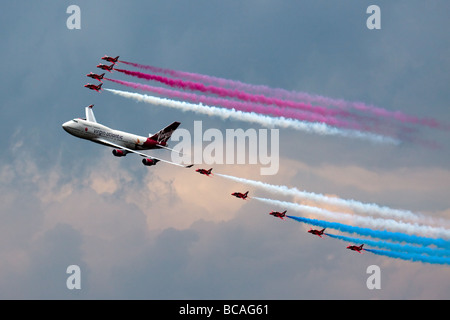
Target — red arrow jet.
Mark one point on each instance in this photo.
(110, 59)
(105, 67)
(98, 77)
(94, 87)
(240, 195)
(204, 171)
(277, 214)
(317, 232)
(356, 248)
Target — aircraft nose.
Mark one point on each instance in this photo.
(66, 125)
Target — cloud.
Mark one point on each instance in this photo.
(152, 236)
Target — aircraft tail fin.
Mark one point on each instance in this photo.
(90, 113)
(164, 134)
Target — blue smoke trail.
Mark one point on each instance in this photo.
(380, 234)
(411, 256)
(395, 246)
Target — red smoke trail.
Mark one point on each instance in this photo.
(293, 95)
(224, 92)
(173, 73)
(400, 116)
(241, 106)
(276, 92)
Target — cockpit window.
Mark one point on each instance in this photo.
(76, 121)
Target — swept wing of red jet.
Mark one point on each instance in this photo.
(240, 195)
(98, 77)
(317, 232)
(204, 171)
(105, 67)
(277, 214)
(356, 248)
(94, 87)
(110, 59)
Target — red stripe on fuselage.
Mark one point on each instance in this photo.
(152, 144)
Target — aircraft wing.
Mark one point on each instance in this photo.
(111, 144)
(170, 149)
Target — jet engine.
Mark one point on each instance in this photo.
(149, 162)
(119, 153)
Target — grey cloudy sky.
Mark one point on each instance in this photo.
(167, 233)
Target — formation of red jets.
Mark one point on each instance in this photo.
(99, 77)
(281, 215)
(238, 195)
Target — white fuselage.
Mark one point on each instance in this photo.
(94, 131)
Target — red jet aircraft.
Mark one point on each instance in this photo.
(204, 171)
(105, 67)
(277, 214)
(98, 77)
(317, 232)
(240, 195)
(356, 248)
(110, 59)
(94, 87)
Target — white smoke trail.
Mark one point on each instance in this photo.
(357, 206)
(363, 221)
(267, 121)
